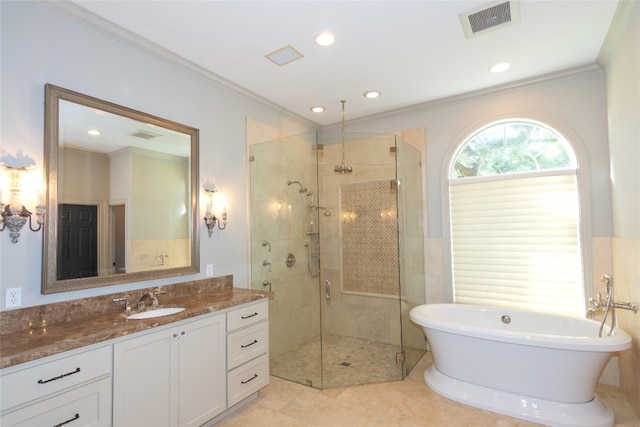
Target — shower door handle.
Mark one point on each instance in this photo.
(327, 289)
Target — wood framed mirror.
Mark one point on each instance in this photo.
(121, 195)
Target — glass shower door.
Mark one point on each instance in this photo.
(411, 208)
(283, 189)
(361, 331)
(339, 312)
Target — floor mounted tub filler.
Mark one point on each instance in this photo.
(538, 367)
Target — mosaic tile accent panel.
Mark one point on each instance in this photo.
(369, 238)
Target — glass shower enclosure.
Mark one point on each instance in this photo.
(343, 254)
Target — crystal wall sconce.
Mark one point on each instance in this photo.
(15, 215)
(210, 219)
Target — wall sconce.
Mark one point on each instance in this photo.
(15, 215)
(210, 218)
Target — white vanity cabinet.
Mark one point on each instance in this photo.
(185, 373)
(171, 376)
(71, 389)
(247, 351)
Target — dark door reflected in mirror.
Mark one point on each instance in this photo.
(77, 241)
(121, 194)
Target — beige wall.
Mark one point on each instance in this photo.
(85, 176)
(160, 192)
(623, 111)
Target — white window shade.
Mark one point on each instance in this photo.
(515, 242)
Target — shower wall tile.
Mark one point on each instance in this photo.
(365, 317)
(279, 215)
(626, 273)
(294, 313)
(602, 263)
(435, 270)
(259, 132)
(413, 218)
(415, 258)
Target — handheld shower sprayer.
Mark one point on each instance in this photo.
(609, 305)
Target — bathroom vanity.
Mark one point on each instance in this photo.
(185, 369)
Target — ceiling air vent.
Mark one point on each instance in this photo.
(145, 134)
(284, 55)
(490, 17)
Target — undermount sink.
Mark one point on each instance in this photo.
(158, 312)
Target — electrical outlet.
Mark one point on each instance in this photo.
(209, 270)
(13, 298)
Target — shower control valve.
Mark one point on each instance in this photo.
(290, 261)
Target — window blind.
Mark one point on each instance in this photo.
(515, 243)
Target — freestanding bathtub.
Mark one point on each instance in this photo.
(539, 367)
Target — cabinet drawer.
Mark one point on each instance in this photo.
(51, 377)
(246, 316)
(89, 405)
(247, 379)
(247, 344)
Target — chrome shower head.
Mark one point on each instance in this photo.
(302, 189)
(343, 168)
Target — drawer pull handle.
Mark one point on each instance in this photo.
(251, 343)
(68, 421)
(251, 315)
(250, 379)
(59, 376)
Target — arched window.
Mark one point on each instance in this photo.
(514, 217)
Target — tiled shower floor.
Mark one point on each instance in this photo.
(347, 361)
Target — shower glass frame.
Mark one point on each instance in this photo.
(309, 226)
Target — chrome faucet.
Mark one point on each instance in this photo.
(596, 304)
(127, 306)
(152, 297)
(608, 305)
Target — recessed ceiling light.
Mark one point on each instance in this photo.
(317, 109)
(498, 68)
(372, 94)
(326, 39)
(93, 132)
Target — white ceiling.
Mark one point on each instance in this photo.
(413, 52)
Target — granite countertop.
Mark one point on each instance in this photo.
(33, 333)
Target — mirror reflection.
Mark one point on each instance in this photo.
(121, 194)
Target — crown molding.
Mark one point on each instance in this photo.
(624, 12)
(518, 85)
(120, 33)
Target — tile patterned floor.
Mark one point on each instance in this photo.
(408, 403)
(347, 361)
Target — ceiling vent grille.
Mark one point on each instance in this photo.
(145, 134)
(490, 17)
(284, 55)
